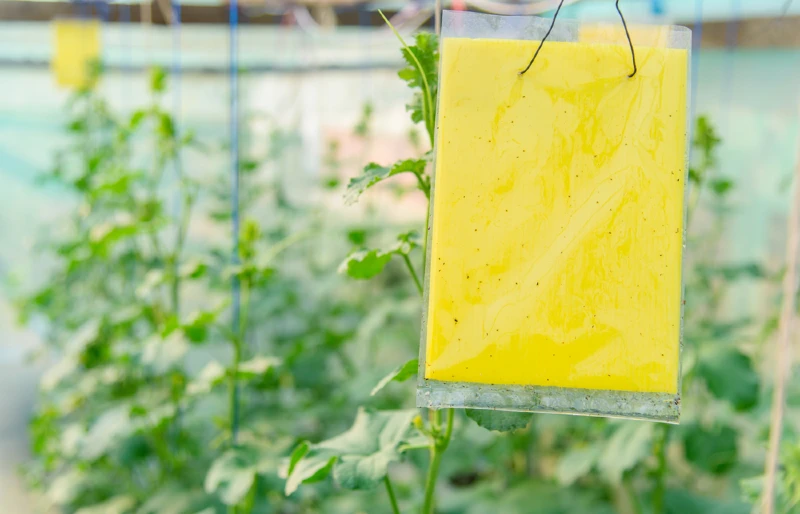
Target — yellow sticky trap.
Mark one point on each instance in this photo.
(76, 45)
(557, 226)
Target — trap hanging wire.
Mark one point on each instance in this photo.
(554, 277)
(541, 43)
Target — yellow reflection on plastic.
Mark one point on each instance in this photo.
(76, 46)
(558, 216)
(643, 35)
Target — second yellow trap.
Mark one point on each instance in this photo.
(76, 45)
(558, 216)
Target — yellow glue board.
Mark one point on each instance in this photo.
(76, 44)
(558, 209)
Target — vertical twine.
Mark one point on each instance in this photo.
(783, 348)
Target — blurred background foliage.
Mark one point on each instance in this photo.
(164, 396)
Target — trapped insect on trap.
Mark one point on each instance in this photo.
(557, 224)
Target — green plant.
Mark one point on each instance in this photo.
(157, 403)
(356, 468)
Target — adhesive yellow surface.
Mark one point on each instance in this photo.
(76, 43)
(558, 216)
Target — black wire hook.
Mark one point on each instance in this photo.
(628, 35)
(541, 43)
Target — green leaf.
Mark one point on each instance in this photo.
(163, 353)
(500, 421)
(300, 451)
(362, 128)
(137, 118)
(104, 434)
(721, 186)
(194, 268)
(152, 280)
(730, 376)
(360, 457)
(374, 173)
(158, 79)
(678, 501)
(421, 74)
(257, 366)
(628, 446)
(232, 475)
(406, 242)
(713, 450)
(749, 270)
(195, 328)
(64, 488)
(308, 471)
(400, 374)
(172, 499)
(365, 264)
(357, 236)
(694, 175)
(166, 125)
(115, 505)
(577, 462)
(104, 235)
(212, 375)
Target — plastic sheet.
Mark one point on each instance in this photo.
(554, 278)
(76, 44)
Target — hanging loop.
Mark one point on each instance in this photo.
(627, 35)
(541, 43)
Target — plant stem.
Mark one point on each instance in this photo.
(430, 482)
(390, 491)
(233, 391)
(427, 97)
(349, 368)
(627, 486)
(661, 471)
(413, 273)
(238, 343)
(440, 444)
(425, 238)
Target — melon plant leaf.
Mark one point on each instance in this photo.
(421, 74)
(308, 471)
(115, 505)
(711, 449)
(65, 487)
(212, 375)
(111, 427)
(359, 457)
(729, 375)
(577, 462)
(399, 374)
(374, 173)
(162, 353)
(406, 242)
(232, 474)
(257, 366)
(678, 501)
(365, 264)
(499, 421)
(628, 446)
